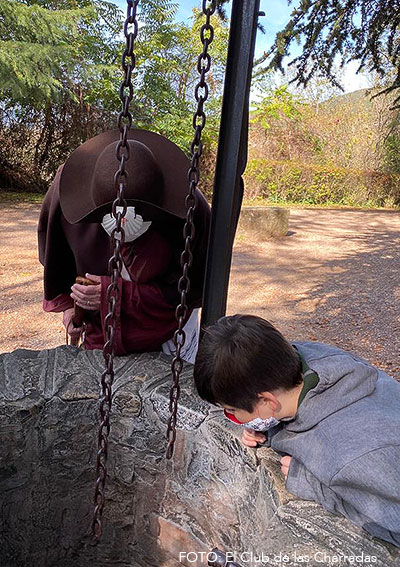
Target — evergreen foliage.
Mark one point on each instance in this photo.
(366, 31)
(44, 46)
(60, 76)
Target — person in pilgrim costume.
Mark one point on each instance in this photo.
(74, 240)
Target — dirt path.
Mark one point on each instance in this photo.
(334, 278)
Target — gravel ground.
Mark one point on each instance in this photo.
(333, 278)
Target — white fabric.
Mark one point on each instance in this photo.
(133, 224)
(125, 274)
(189, 349)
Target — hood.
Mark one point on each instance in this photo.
(343, 379)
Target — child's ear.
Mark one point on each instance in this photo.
(269, 399)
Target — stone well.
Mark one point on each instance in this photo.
(214, 492)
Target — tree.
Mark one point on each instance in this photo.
(60, 76)
(43, 46)
(366, 31)
(167, 56)
(57, 63)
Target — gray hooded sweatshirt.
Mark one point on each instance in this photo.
(345, 441)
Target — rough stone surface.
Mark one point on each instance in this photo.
(214, 492)
(264, 222)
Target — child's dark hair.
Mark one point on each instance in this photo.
(241, 356)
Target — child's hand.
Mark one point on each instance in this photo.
(285, 464)
(250, 438)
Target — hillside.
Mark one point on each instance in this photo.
(343, 150)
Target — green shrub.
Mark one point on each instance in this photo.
(281, 180)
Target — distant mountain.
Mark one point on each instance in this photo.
(356, 98)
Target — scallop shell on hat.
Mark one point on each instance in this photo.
(133, 224)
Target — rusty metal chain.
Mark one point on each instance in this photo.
(115, 264)
(196, 149)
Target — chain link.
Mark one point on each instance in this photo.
(115, 265)
(186, 260)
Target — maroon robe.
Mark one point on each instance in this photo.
(147, 306)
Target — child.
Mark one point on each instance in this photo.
(334, 416)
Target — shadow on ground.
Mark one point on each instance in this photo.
(351, 300)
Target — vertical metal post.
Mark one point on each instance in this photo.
(231, 157)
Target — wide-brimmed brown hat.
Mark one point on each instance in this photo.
(156, 185)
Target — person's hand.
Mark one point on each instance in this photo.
(88, 296)
(74, 332)
(285, 464)
(250, 438)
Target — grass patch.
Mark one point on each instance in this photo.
(13, 197)
(257, 202)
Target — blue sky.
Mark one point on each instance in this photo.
(277, 14)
